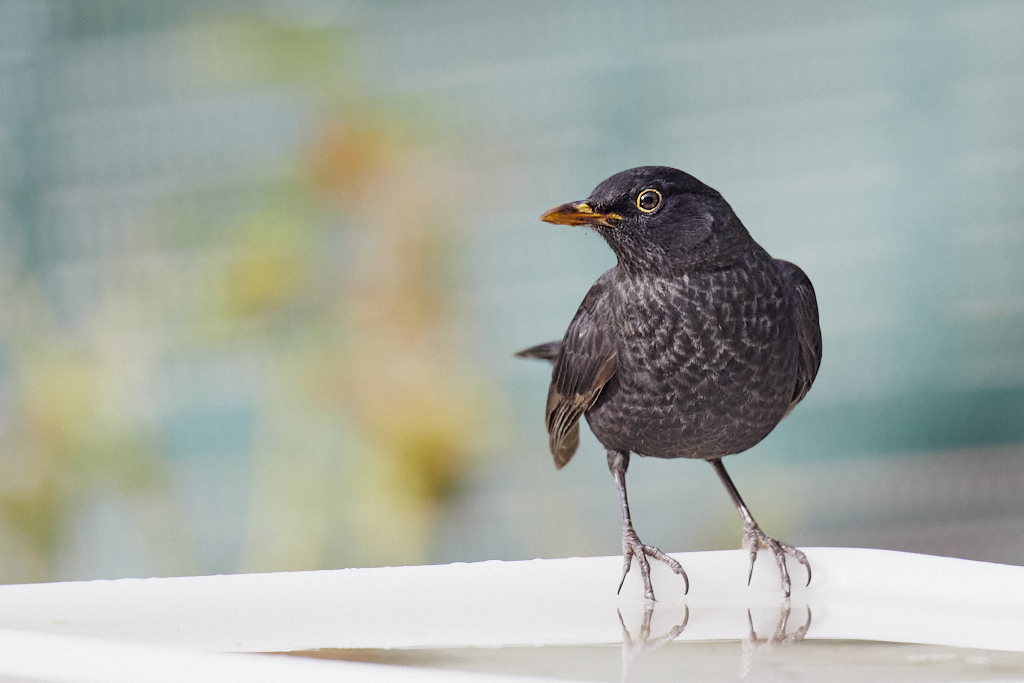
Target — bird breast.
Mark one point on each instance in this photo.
(707, 362)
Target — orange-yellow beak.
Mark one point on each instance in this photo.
(578, 213)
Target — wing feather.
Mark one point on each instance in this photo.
(586, 361)
(805, 311)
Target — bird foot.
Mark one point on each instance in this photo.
(779, 636)
(754, 539)
(631, 647)
(645, 643)
(632, 547)
(752, 645)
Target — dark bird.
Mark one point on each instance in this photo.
(695, 345)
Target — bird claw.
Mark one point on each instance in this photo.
(754, 539)
(780, 635)
(632, 547)
(644, 643)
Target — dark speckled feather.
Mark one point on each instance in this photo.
(707, 362)
(695, 345)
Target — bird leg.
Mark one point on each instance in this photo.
(754, 538)
(618, 461)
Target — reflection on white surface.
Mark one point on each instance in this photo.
(46, 657)
(437, 614)
(817, 661)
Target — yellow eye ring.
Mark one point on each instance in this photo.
(648, 201)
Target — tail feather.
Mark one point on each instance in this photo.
(547, 351)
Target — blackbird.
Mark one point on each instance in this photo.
(695, 345)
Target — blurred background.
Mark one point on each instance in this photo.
(263, 266)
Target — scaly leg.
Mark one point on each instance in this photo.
(754, 538)
(618, 461)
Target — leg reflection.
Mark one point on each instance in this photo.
(753, 645)
(644, 643)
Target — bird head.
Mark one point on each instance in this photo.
(659, 219)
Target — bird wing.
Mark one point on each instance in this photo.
(585, 363)
(805, 311)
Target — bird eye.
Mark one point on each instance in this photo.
(648, 201)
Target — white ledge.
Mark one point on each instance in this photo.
(855, 595)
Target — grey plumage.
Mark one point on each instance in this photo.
(695, 345)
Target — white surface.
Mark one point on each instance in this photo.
(856, 594)
(46, 657)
